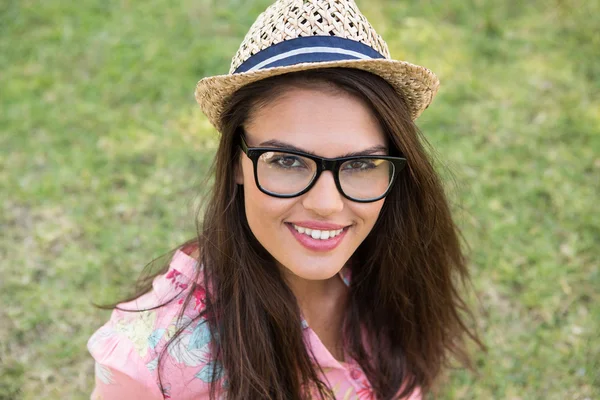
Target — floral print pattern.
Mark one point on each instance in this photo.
(136, 330)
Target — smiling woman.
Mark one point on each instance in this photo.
(327, 261)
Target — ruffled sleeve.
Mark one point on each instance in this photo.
(129, 349)
(119, 370)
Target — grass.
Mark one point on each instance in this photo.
(102, 151)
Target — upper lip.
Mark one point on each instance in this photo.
(323, 226)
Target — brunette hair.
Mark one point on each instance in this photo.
(405, 319)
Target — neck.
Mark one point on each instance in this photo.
(305, 289)
(317, 299)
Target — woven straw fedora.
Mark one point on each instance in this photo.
(296, 35)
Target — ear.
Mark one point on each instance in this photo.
(238, 172)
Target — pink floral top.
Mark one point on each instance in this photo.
(127, 347)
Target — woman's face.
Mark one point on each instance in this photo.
(328, 125)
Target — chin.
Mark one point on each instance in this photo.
(314, 271)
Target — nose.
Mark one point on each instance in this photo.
(324, 198)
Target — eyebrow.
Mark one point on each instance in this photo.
(282, 145)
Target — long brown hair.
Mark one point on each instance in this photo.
(405, 319)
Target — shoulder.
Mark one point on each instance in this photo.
(132, 341)
(168, 289)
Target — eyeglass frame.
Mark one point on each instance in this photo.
(322, 164)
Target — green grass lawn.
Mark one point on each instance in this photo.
(103, 151)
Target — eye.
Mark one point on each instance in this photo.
(289, 161)
(360, 165)
(282, 160)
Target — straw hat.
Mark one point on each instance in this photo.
(296, 35)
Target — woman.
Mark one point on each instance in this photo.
(326, 262)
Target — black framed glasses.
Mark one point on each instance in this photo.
(287, 173)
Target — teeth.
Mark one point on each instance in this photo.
(316, 233)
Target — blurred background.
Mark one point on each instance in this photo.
(102, 151)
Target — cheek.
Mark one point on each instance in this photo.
(368, 212)
(262, 211)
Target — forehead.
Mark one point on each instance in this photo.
(325, 122)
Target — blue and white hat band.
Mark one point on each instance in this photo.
(308, 49)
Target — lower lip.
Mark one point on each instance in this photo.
(317, 244)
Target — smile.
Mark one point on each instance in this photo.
(316, 233)
(319, 240)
